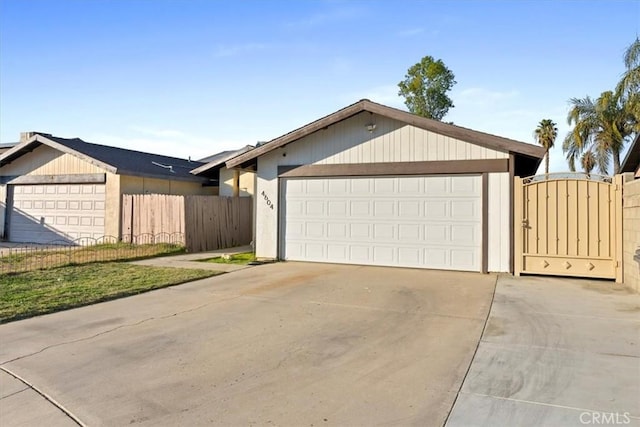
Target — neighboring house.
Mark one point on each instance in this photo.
(7, 147)
(370, 184)
(61, 189)
(232, 182)
(631, 162)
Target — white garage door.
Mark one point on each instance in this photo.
(50, 212)
(426, 222)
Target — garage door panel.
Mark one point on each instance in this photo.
(55, 212)
(384, 186)
(408, 232)
(384, 255)
(436, 209)
(396, 221)
(361, 208)
(337, 231)
(409, 209)
(409, 186)
(337, 208)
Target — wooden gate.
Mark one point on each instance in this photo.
(568, 225)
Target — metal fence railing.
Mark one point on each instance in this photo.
(21, 257)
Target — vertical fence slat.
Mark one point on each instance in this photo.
(206, 222)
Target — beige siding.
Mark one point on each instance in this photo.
(499, 230)
(112, 205)
(45, 160)
(631, 234)
(3, 208)
(391, 141)
(246, 182)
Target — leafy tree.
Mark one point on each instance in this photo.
(425, 88)
(588, 161)
(546, 134)
(601, 126)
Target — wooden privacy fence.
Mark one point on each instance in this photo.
(568, 226)
(206, 222)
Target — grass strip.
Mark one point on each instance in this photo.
(39, 292)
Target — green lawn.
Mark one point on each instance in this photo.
(45, 291)
(241, 259)
(21, 260)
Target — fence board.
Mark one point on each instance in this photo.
(207, 222)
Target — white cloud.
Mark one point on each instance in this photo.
(239, 49)
(410, 32)
(338, 14)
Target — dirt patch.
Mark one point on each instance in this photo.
(280, 283)
(628, 308)
(495, 328)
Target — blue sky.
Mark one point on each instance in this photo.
(191, 78)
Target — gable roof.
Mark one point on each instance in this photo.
(218, 160)
(632, 159)
(112, 159)
(453, 131)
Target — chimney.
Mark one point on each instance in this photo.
(25, 136)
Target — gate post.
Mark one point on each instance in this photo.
(518, 202)
(618, 212)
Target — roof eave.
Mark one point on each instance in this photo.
(22, 149)
(222, 162)
(163, 176)
(632, 159)
(457, 132)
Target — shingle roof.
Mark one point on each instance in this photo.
(113, 159)
(536, 153)
(218, 160)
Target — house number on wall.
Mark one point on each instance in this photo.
(266, 198)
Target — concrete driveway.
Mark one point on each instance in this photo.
(280, 344)
(555, 352)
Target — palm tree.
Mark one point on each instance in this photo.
(627, 88)
(546, 134)
(601, 126)
(588, 161)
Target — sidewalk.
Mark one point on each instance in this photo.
(191, 260)
(555, 352)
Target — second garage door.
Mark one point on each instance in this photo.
(56, 212)
(418, 221)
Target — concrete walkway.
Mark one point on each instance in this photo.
(192, 260)
(555, 352)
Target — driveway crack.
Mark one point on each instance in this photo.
(44, 396)
(128, 325)
(484, 327)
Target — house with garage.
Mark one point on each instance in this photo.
(61, 189)
(374, 185)
(231, 182)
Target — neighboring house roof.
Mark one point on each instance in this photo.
(632, 160)
(474, 137)
(7, 146)
(112, 159)
(218, 160)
